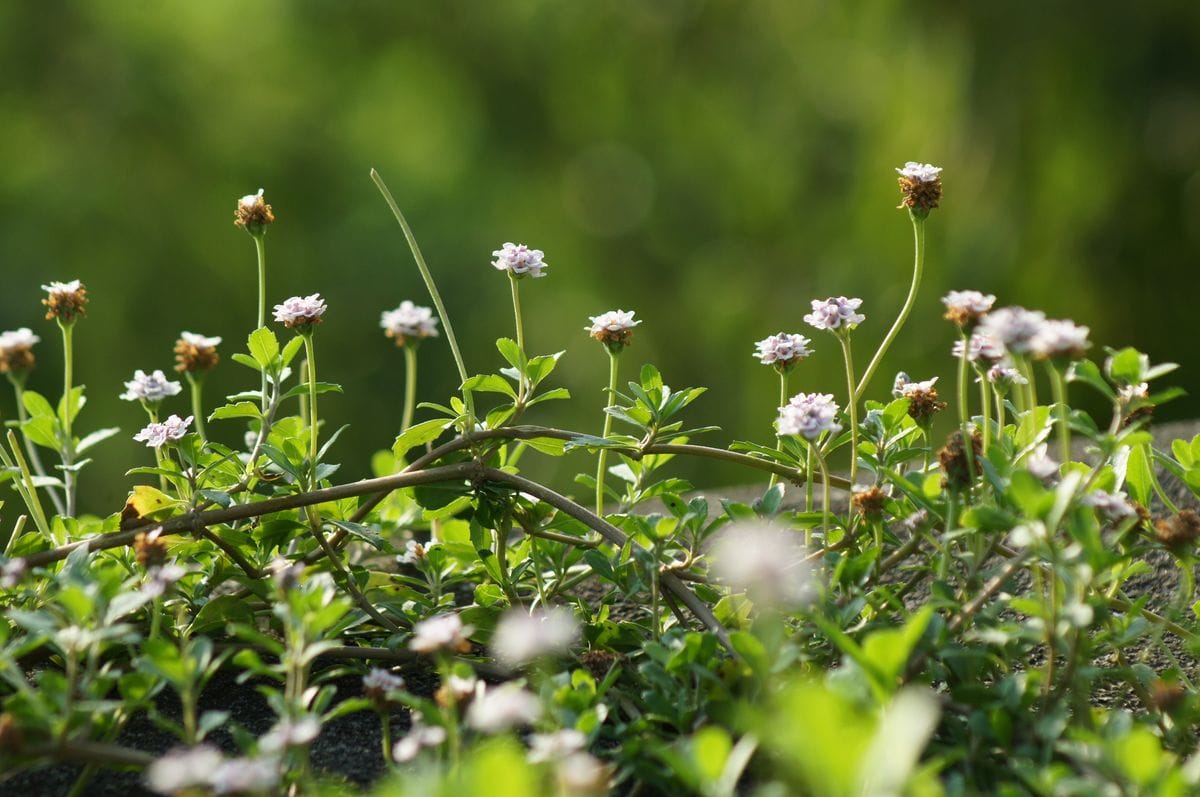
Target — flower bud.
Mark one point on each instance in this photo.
(253, 213)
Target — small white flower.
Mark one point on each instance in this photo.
(300, 311)
(409, 322)
(611, 321)
(156, 435)
(545, 747)
(22, 338)
(246, 776)
(808, 415)
(784, 349)
(380, 681)
(199, 341)
(1003, 375)
(522, 637)
(581, 774)
(1113, 506)
(1014, 327)
(1027, 534)
(289, 733)
(911, 524)
(418, 737)
(497, 709)
(836, 312)
(980, 346)
(519, 260)
(905, 388)
(766, 562)
(1060, 339)
(183, 769)
(63, 288)
(151, 388)
(251, 200)
(413, 552)
(1127, 394)
(972, 303)
(459, 688)
(444, 632)
(1043, 468)
(162, 578)
(924, 172)
(12, 572)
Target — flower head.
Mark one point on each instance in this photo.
(253, 213)
(66, 301)
(921, 185)
(522, 637)
(981, 347)
(183, 769)
(966, 308)
(149, 548)
(289, 733)
(246, 776)
(444, 632)
(519, 260)
(764, 561)
(956, 465)
(156, 435)
(379, 682)
(196, 353)
(16, 350)
(409, 323)
(150, 388)
(783, 350)
(1060, 340)
(614, 328)
(923, 401)
(1178, 532)
(301, 313)
(834, 313)
(499, 708)
(1014, 327)
(413, 552)
(1003, 375)
(419, 737)
(545, 747)
(1114, 507)
(809, 415)
(161, 578)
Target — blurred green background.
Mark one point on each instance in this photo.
(710, 165)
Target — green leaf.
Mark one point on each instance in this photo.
(322, 387)
(651, 379)
(246, 360)
(550, 395)
(489, 383)
(95, 437)
(76, 403)
(540, 367)
(263, 346)
(291, 348)
(364, 533)
(1138, 477)
(1126, 365)
(511, 352)
(36, 405)
(243, 409)
(42, 430)
(418, 435)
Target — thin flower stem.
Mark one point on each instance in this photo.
(433, 291)
(35, 459)
(27, 490)
(852, 405)
(311, 355)
(918, 268)
(964, 412)
(260, 250)
(410, 386)
(825, 494)
(985, 403)
(602, 459)
(783, 400)
(516, 301)
(1000, 415)
(196, 383)
(68, 441)
(1059, 386)
(808, 481)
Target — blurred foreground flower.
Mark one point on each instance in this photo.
(522, 637)
(445, 632)
(766, 562)
(496, 709)
(409, 323)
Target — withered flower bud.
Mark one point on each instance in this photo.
(923, 401)
(66, 301)
(870, 502)
(196, 353)
(149, 549)
(11, 738)
(921, 184)
(1166, 696)
(16, 351)
(1178, 533)
(614, 329)
(953, 460)
(253, 213)
(599, 662)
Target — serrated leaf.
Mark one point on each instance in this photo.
(263, 346)
(511, 352)
(36, 405)
(242, 409)
(489, 383)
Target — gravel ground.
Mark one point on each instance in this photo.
(350, 747)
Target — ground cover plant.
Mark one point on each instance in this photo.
(898, 612)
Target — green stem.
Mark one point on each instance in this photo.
(783, 400)
(918, 268)
(602, 460)
(808, 481)
(852, 405)
(1059, 386)
(516, 301)
(433, 291)
(68, 441)
(28, 492)
(985, 403)
(196, 383)
(999, 409)
(260, 249)
(964, 413)
(311, 356)
(410, 386)
(385, 721)
(35, 458)
(825, 495)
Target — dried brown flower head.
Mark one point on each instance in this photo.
(921, 185)
(11, 738)
(1178, 533)
(870, 502)
(196, 353)
(1166, 696)
(953, 460)
(253, 213)
(599, 662)
(16, 351)
(66, 301)
(149, 549)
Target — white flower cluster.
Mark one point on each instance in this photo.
(969, 302)
(782, 350)
(766, 562)
(203, 768)
(150, 388)
(199, 341)
(836, 312)
(905, 387)
(496, 709)
(980, 347)
(611, 321)
(409, 322)
(18, 339)
(381, 681)
(418, 738)
(922, 172)
(156, 435)
(443, 632)
(1113, 506)
(57, 289)
(519, 260)
(300, 311)
(809, 415)
(522, 637)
